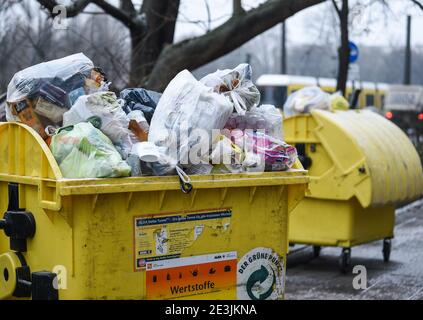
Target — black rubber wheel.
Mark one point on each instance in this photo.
(345, 260)
(386, 250)
(316, 251)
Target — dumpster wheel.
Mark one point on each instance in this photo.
(386, 250)
(316, 251)
(345, 260)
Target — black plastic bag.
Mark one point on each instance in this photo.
(140, 99)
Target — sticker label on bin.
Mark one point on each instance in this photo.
(187, 276)
(160, 237)
(260, 275)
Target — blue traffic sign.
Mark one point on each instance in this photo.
(354, 52)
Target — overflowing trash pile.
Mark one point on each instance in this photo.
(214, 125)
(310, 98)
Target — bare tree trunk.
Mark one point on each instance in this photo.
(137, 70)
(344, 49)
(149, 42)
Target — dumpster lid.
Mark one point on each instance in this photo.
(371, 158)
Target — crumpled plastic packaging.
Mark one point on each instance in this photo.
(265, 117)
(154, 160)
(338, 102)
(187, 109)
(226, 156)
(142, 100)
(138, 125)
(39, 95)
(103, 110)
(83, 151)
(277, 155)
(236, 85)
(305, 100)
(163, 167)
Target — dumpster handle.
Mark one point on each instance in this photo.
(185, 180)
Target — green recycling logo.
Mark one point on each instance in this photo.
(260, 275)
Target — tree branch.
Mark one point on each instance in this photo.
(206, 3)
(118, 14)
(417, 3)
(193, 53)
(237, 7)
(71, 10)
(338, 11)
(128, 7)
(78, 6)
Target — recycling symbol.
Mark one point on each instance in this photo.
(260, 276)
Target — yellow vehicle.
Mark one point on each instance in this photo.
(275, 89)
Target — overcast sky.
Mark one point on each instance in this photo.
(387, 27)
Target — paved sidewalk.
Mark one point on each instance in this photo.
(401, 278)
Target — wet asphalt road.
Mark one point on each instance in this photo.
(401, 278)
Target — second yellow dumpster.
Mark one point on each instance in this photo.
(360, 166)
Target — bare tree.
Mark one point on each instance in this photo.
(155, 58)
(343, 8)
(344, 49)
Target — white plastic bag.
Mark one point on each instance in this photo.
(305, 100)
(83, 151)
(236, 85)
(186, 106)
(104, 111)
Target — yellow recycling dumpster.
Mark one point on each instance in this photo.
(139, 237)
(360, 165)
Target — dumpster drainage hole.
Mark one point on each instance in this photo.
(6, 274)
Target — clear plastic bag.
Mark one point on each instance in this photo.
(39, 95)
(236, 85)
(264, 117)
(186, 108)
(138, 125)
(273, 120)
(83, 151)
(305, 100)
(104, 111)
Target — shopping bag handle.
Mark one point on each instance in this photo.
(184, 180)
